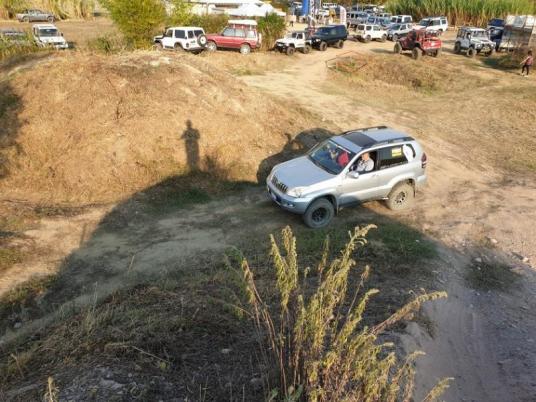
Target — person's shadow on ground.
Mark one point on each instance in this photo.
(191, 139)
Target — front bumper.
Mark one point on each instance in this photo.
(296, 205)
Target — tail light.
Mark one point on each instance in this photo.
(424, 160)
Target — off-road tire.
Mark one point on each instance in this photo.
(401, 197)
(383, 38)
(158, 46)
(367, 39)
(457, 48)
(395, 38)
(178, 47)
(339, 44)
(26, 19)
(398, 48)
(306, 49)
(491, 52)
(211, 46)
(290, 51)
(437, 53)
(471, 52)
(319, 214)
(416, 53)
(202, 40)
(50, 19)
(245, 49)
(323, 46)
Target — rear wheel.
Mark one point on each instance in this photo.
(457, 48)
(211, 46)
(178, 47)
(50, 19)
(471, 52)
(395, 38)
(306, 49)
(245, 49)
(290, 51)
(319, 214)
(401, 197)
(383, 38)
(26, 19)
(416, 53)
(437, 53)
(367, 39)
(339, 44)
(323, 46)
(398, 48)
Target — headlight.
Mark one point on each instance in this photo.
(296, 192)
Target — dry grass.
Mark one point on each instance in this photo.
(316, 341)
(118, 124)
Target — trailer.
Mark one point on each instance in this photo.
(519, 32)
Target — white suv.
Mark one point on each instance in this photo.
(191, 39)
(436, 24)
(368, 32)
(48, 35)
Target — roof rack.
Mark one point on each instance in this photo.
(365, 129)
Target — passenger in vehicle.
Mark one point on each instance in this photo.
(365, 163)
(343, 159)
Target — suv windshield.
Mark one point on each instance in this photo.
(48, 32)
(479, 34)
(425, 22)
(330, 156)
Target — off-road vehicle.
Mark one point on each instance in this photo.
(292, 42)
(419, 42)
(434, 24)
(48, 35)
(330, 176)
(397, 31)
(473, 41)
(367, 32)
(190, 39)
(33, 15)
(331, 35)
(239, 34)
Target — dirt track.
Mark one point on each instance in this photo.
(486, 340)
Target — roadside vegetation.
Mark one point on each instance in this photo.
(462, 12)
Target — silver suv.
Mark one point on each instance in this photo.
(375, 163)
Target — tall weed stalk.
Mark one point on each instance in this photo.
(316, 341)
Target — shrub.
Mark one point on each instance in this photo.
(107, 44)
(317, 343)
(8, 8)
(272, 27)
(182, 15)
(459, 12)
(138, 20)
(9, 49)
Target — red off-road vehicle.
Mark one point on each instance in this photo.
(420, 42)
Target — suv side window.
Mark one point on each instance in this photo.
(198, 32)
(390, 157)
(190, 34)
(240, 33)
(180, 34)
(443, 22)
(251, 34)
(228, 32)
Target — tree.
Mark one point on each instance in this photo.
(138, 20)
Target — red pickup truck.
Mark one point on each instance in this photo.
(239, 34)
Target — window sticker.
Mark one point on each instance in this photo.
(396, 152)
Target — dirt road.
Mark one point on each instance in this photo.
(485, 340)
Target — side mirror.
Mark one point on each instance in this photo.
(353, 175)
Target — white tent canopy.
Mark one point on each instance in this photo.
(254, 10)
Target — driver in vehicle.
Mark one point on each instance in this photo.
(365, 164)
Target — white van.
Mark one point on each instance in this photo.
(436, 24)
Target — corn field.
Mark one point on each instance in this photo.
(61, 8)
(462, 12)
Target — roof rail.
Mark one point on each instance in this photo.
(372, 128)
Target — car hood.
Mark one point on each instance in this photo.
(300, 172)
(286, 41)
(482, 41)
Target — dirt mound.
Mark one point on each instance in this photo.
(88, 128)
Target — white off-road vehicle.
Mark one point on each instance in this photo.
(368, 32)
(292, 42)
(473, 41)
(190, 39)
(49, 35)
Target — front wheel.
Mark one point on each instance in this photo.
(319, 214)
(471, 52)
(416, 53)
(339, 44)
(401, 197)
(290, 51)
(491, 52)
(245, 49)
(323, 46)
(306, 49)
(26, 19)
(211, 46)
(367, 39)
(395, 38)
(437, 53)
(398, 48)
(178, 47)
(457, 48)
(50, 19)
(383, 38)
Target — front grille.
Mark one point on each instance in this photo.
(280, 186)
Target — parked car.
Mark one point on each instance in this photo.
(331, 35)
(292, 42)
(354, 18)
(384, 22)
(519, 32)
(190, 39)
(32, 15)
(326, 179)
(437, 24)
(419, 42)
(496, 31)
(49, 35)
(397, 31)
(366, 33)
(239, 34)
(473, 41)
(14, 37)
(401, 19)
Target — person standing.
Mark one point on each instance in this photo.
(527, 63)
